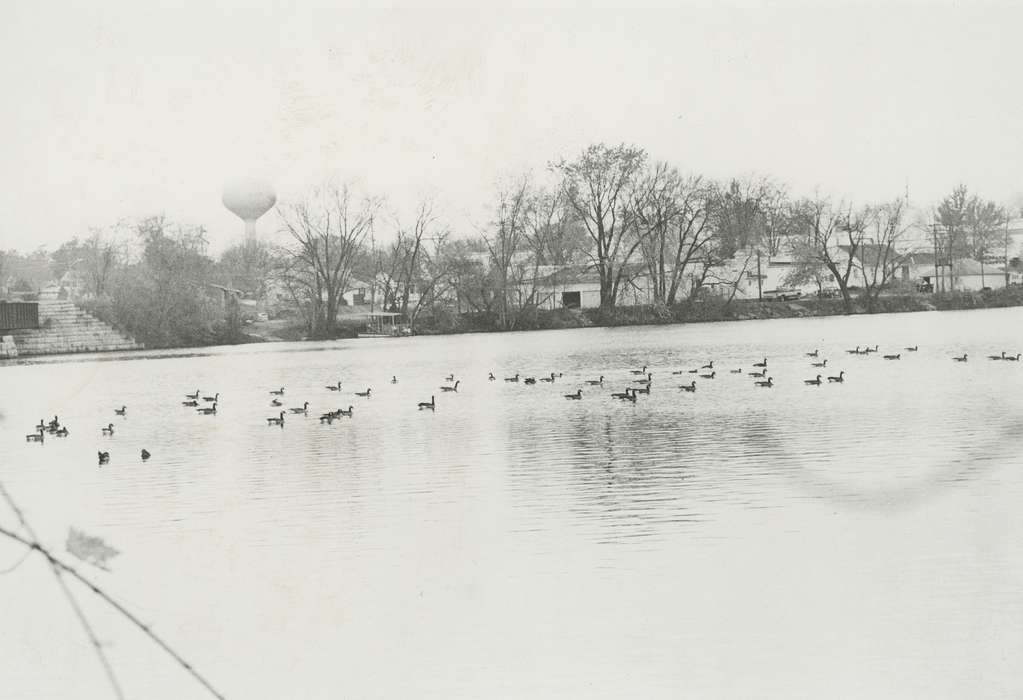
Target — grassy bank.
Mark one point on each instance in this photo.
(715, 310)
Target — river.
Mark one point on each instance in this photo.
(854, 539)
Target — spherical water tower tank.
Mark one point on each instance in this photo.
(249, 199)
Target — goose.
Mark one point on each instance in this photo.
(735, 371)
(893, 357)
(761, 364)
(145, 454)
(630, 396)
(642, 390)
(364, 394)
(813, 382)
(813, 354)
(343, 412)
(451, 388)
(912, 349)
(279, 420)
(394, 379)
(334, 388)
(997, 357)
(1010, 358)
(649, 378)
(104, 457)
(212, 410)
(41, 426)
(596, 382)
(960, 359)
(491, 378)
(193, 396)
(868, 350)
(214, 398)
(449, 378)
(679, 371)
(123, 410)
(34, 437)
(432, 405)
(709, 365)
(854, 352)
(694, 371)
(328, 417)
(619, 395)
(768, 384)
(304, 409)
(512, 379)
(278, 392)
(761, 373)
(549, 379)
(576, 396)
(190, 403)
(840, 378)
(61, 432)
(275, 402)
(639, 371)
(708, 376)
(688, 387)
(109, 430)
(820, 364)
(529, 380)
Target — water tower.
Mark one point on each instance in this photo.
(249, 199)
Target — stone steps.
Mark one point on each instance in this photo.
(65, 328)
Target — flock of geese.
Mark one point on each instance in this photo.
(641, 384)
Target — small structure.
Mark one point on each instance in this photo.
(378, 324)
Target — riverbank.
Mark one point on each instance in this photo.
(704, 311)
(713, 310)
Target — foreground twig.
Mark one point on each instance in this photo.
(60, 567)
(79, 613)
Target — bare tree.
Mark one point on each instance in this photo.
(674, 224)
(94, 259)
(877, 259)
(556, 237)
(505, 241)
(950, 230)
(327, 230)
(596, 185)
(829, 236)
(984, 221)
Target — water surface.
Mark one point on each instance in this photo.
(861, 539)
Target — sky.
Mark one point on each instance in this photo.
(124, 109)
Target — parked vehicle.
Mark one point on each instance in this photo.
(781, 294)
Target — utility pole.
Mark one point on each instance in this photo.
(934, 240)
(760, 280)
(1006, 268)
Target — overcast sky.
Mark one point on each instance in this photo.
(112, 110)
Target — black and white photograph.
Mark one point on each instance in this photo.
(511, 350)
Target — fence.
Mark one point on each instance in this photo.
(15, 315)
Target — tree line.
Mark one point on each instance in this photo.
(611, 211)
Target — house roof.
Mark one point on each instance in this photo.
(875, 254)
(584, 274)
(967, 266)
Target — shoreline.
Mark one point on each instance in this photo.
(713, 311)
(709, 311)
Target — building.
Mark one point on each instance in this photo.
(578, 287)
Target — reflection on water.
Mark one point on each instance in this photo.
(732, 542)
